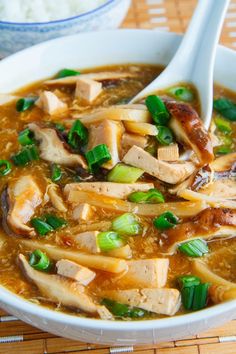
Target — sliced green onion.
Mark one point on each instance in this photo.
(151, 196)
(60, 127)
(23, 104)
(109, 240)
(188, 280)
(5, 167)
(182, 93)
(78, 134)
(126, 224)
(165, 221)
(226, 108)
(122, 310)
(67, 72)
(164, 136)
(26, 137)
(124, 174)
(41, 226)
(200, 296)
(194, 248)
(158, 110)
(54, 221)
(223, 150)
(97, 157)
(187, 295)
(26, 155)
(39, 260)
(223, 125)
(56, 173)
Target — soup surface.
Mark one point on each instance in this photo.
(113, 210)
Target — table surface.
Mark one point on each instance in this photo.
(18, 337)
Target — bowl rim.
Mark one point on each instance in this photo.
(63, 20)
(15, 302)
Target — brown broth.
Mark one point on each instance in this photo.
(145, 246)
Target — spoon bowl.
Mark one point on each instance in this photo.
(194, 60)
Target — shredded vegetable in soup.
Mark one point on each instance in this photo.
(115, 210)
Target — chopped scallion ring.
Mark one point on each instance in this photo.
(182, 93)
(23, 104)
(151, 196)
(41, 226)
(126, 224)
(200, 296)
(78, 134)
(194, 248)
(26, 155)
(56, 173)
(223, 125)
(223, 150)
(26, 137)
(122, 310)
(188, 280)
(5, 167)
(55, 221)
(97, 157)
(67, 72)
(109, 240)
(158, 110)
(165, 221)
(164, 136)
(39, 261)
(226, 108)
(122, 173)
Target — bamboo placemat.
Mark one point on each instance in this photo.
(18, 337)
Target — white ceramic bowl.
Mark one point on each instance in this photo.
(89, 50)
(17, 36)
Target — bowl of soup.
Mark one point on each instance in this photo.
(118, 219)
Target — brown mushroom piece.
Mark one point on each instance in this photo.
(208, 224)
(58, 289)
(23, 197)
(52, 149)
(189, 130)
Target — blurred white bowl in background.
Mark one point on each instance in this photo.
(15, 36)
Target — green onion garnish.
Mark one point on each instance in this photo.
(124, 174)
(126, 224)
(226, 108)
(26, 137)
(23, 104)
(5, 167)
(223, 125)
(67, 72)
(193, 292)
(78, 134)
(188, 280)
(165, 221)
(39, 260)
(109, 240)
(223, 150)
(56, 173)
(182, 93)
(152, 196)
(164, 136)
(97, 157)
(194, 248)
(158, 110)
(26, 155)
(41, 226)
(55, 221)
(200, 296)
(122, 310)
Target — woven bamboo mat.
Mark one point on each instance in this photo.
(18, 337)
